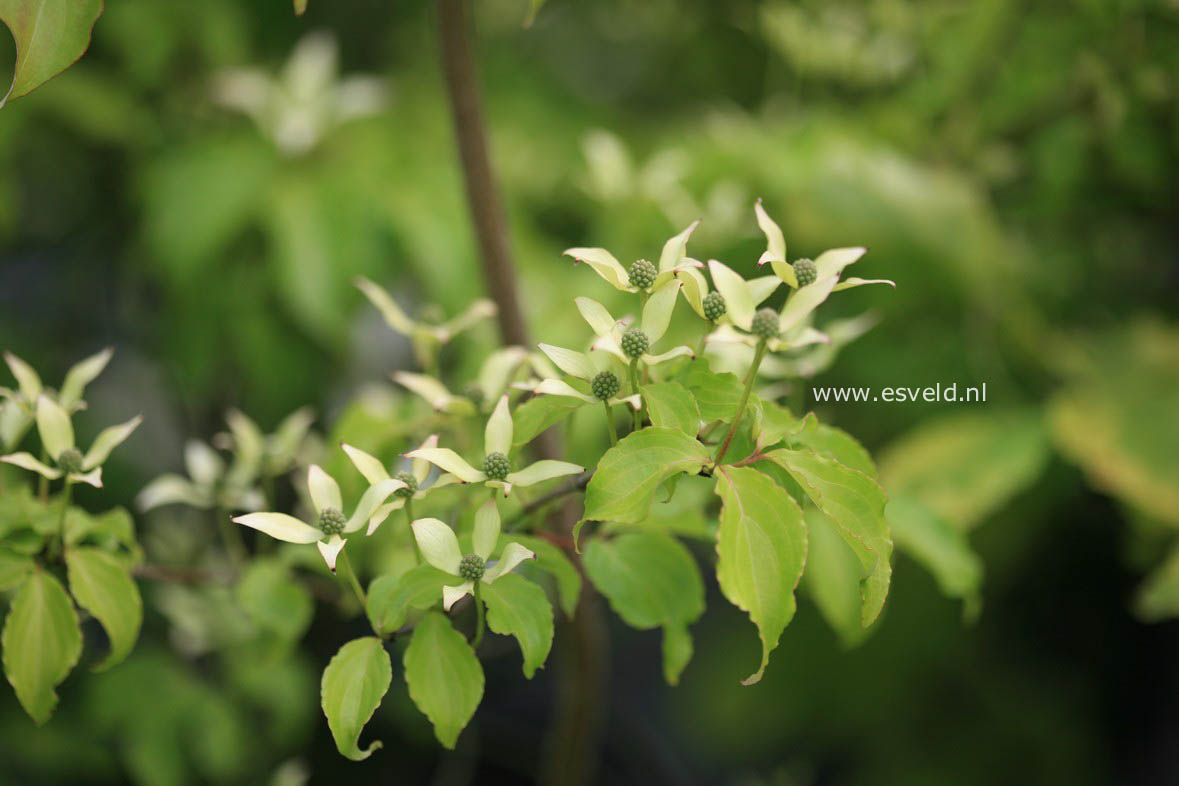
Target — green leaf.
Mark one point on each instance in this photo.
(855, 504)
(50, 35)
(833, 443)
(772, 422)
(551, 559)
(940, 547)
(13, 568)
(670, 405)
(391, 598)
(833, 578)
(650, 580)
(967, 465)
(540, 413)
(271, 597)
(1157, 598)
(114, 527)
(677, 651)
(300, 7)
(102, 584)
(517, 607)
(41, 642)
(629, 473)
(717, 395)
(761, 549)
(444, 677)
(353, 684)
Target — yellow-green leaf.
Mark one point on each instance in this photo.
(628, 474)
(41, 643)
(445, 678)
(353, 685)
(49, 34)
(102, 584)
(518, 607)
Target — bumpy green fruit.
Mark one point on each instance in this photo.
(605, 385)
(411, 484)
(331, 521)
(642, 274)
(635, 343)
(714, 306)
(471, 567)
(496, 466)
(805, 271)
(765, 324)
(70, 460)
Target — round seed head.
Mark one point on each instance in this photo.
(331, 521)
(70, 460)
(765, 324)
(635, 343)
(642, 274)
(805, 271)
(496, 466)
(605, 385)
(411, 484)
(714, 306)
(471, 567)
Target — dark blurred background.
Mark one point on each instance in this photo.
(201, 189)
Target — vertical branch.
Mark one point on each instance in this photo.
(487, 211)
(574, 741)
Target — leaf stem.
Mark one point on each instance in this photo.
(758, 354)
(345, 569)
(633, 370)
(417, 551)
(610, 423)
(66, 493)
(480, 622)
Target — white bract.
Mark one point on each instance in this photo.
(426, 337)
(584, 366)
(210, 484)
(17, 415)
(671, 260)
(655, 319)
(306, 101)
(496, 373)
(267, 455)
(374, 472)
(497, 445)
(440, 548)
(829, 264)
(57, 437)
(330, 525)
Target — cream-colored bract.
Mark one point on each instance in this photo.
(440, 548)
(325, 493)
(57, 435)
(374, 472)
(497, 438)
(673, 259)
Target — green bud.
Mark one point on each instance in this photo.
(714, 306)
(605, 385)
(642, 274)
(471, 567)
(496, 466)
(635, 343)
(70, 460)
(805, 271)
(765, 324)
(331, 521)
(411, 484)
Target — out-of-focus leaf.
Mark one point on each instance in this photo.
(445, 678)
(940, 547)
(102, 585)
(833, 443)
(41, 642)
(300, 7)
(761, 549)
(353, 684)
(50, 35)
(539, 413)
(967, 465)
(1157, 598)
(274, 600)
(517, 607)
(13, 568)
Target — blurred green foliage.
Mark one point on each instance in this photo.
(203, 187)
